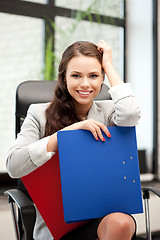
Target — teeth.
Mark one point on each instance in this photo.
(84, 93)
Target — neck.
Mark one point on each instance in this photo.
(82, 110)
(82, 113)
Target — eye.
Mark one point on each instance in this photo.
(76, 76)
(93, 76)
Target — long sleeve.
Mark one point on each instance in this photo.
(121, 110)
(29, 150)
(126, 108)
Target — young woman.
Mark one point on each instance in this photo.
(81, 74)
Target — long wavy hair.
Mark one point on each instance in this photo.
(61, 111)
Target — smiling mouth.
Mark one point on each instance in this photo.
(84, 93)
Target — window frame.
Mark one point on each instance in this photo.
(50, 10)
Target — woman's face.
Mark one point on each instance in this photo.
(84, 78)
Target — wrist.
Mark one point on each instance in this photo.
(112, 75)
(52, 145)
(107, 67)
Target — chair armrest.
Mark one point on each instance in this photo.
(17, 196)
(146, 195)
(154, 190)
(26, 209)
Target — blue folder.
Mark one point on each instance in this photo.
(99, 178)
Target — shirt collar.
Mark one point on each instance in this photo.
(96, 113)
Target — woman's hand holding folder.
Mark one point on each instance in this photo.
(95, 127)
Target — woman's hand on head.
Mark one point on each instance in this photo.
(95, 127)
(106, 50)
(111, 73)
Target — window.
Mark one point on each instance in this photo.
(21, 59)
(108, 8)
(23, 42)
(91, 31)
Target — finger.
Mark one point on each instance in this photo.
(104, 128)
(101, 50)
(100, 47)
(96, 127)
(98, 131)
(103, 45)
(101, 41)
(106, 131)
(94, 132)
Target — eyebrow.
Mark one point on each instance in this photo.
(81, 73)
(76, 72)
(94, 72)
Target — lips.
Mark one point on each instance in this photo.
(84, 93)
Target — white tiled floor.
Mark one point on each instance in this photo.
(6, 224)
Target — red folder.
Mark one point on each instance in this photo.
(44, 187)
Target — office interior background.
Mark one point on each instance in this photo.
(33, 35)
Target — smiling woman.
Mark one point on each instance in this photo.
(81, 73)
(83, 78)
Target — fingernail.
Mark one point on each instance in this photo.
(103, 139)
(109, 135)
(97, 138)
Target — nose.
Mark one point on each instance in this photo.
(85, 83)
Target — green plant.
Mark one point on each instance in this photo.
(51, 59)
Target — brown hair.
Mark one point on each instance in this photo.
(61, 112)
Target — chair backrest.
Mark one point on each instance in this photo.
(30, 92)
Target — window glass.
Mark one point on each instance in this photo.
(110, 8)
(21, 59)
(94, 32)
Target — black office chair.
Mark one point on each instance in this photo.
(40, 92)
(27, 93)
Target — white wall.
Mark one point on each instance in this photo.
(139, 66)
